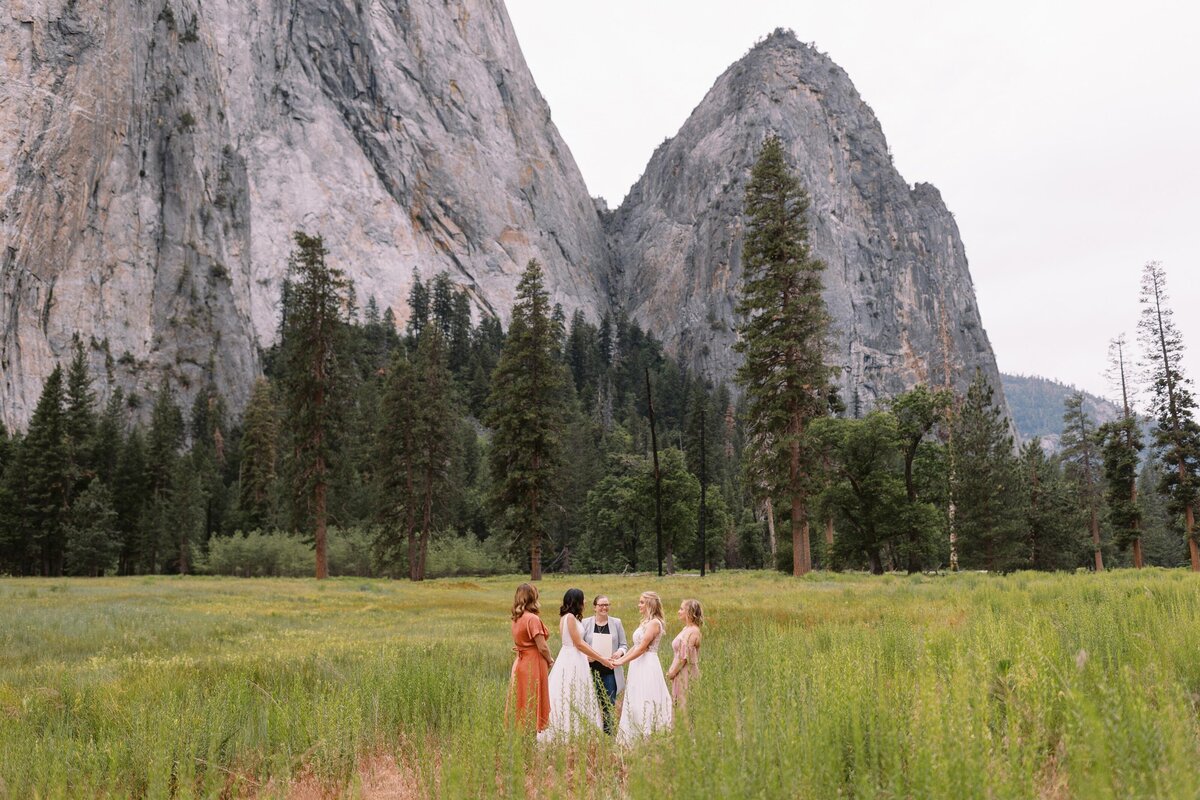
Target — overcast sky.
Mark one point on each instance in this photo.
(1064, 136)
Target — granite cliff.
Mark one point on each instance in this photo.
(155, 156)
(896, 282)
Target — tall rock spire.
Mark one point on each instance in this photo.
(897, 282)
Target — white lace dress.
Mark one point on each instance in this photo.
(647, 705)
(574, 705)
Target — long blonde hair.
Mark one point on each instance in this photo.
(653, 608)
(526, 599)
(695, 615)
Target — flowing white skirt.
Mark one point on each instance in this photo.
(646, 707)
(574, 705)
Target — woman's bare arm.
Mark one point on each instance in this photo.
(638, 649)
(544, 649)
(676, 665)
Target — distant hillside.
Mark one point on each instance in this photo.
(1037, 407)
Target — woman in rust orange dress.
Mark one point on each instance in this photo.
(529, 690)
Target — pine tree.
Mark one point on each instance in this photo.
(131, 492)
(460, 334)
(442, 304)
(436, 437)
(1177, 434)
(315, 382)
(110, 436)
(1050, 519)
(391, 330)
(1120, 444)
(418, 310)
(1081, 458)
(617, 509)
(1128, 513)
(13, 544)
(783, 338)
(525, 412)
(187, 509)
(256, 476)
(583, 466)
(80, 420)
(46, 464)
(986, 490)
(208, 434)
(418, 444)
(163, 445)
(92, 537)
(605, 337)
(398, 477)
(582, 352)
(1161, 531)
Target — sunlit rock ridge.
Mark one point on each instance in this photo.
(155, 156)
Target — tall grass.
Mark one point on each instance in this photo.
(961, 686)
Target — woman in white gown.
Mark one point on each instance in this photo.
(574, 705)
(647, 706)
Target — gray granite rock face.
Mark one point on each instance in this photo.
(155, 156)
(896, 281)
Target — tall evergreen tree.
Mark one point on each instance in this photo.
(436, 436)
(442, 304)
(315, 382)
(1120, 444)
(986, 491)
(1176, 434)
(92, 537)
(1083, 464)
(80, 414)
(163, 445)
(13, 540)
(1128, 513)
(187, 501)
(110, 436)
(783, 338)
(418, 310)
(399, 475)
(45, 460)
(207, 460)
(525, 411)
(131, 492)
(460, 334)
(1051, 529)
(1161, 531)
(256, 477)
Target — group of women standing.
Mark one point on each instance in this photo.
(562, 697)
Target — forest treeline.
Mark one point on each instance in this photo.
(580, 446)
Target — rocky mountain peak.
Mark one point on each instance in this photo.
(897, 282)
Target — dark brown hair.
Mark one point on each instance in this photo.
(572, 604)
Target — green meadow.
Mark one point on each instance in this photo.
(962, 686)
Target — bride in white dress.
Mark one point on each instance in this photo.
(646, 707)
(574, 703)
